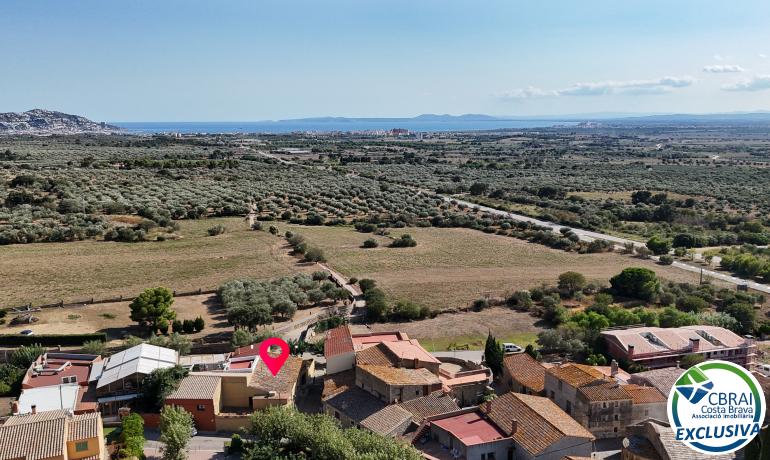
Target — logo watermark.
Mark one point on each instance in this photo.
(716, 407)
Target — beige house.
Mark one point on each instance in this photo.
(52, 435)
(224, 400)
(603, 403)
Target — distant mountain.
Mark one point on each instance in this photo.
(735, 118)
(42, 122)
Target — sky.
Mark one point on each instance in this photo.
(250, 60)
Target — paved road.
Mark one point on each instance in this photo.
(587, 235)
(201, 443)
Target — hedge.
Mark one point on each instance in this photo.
(51, 339)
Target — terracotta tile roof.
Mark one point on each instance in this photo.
(339, 382)
(283, 382)
(576, 375)
(355, 403)
(647, 340)
(607, 391)
(644, 395)
(388, 420)
(408, 350)
(526, 370)
(338, 341)
(426, 406)
(540, 422)
(196, 387)
(402, 376)
(49, 426)
(377, 355)
(84, 426)
(663, 379)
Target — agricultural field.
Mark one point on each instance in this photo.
(49, 272)
(467, 329)
(449, 268)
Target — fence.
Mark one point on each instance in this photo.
(93, 301)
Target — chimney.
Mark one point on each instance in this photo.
(677, 364)
(416, 363)
(34, 409)
(614, 368)
(14, 407)
(694, 344)
(514, 426)
(630, 351)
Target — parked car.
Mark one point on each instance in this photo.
(512, 348)
(27, 332)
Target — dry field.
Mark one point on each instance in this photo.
(49, 272)
(468, 328)
(450, 268)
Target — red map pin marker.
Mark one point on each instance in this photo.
(274, 363)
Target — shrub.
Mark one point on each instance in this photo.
(520, 300)
(163, 326)
(370, 243)
(366, 284)
(571, 282)
(177, 326)
(406, 241)
(199, 324)
(480, 304)
(314, 254)
(216, 230)
(188, 326)
(666, 259)
(320, 275)
(93, 347)
(236, 444)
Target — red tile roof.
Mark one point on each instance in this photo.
(577, 375)
(644, 395)
(540, 422)
(470, 428)
(607, 391)
(338, 341)
(526, 370)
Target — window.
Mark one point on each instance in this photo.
(615, 429)
(560, 385)
(81, 446)
(201, 407)
(604, 405)
(617, 403)
(336, 415)
(553, 395)
(616, 417)
(569, 408)
(491, 456)
(646, 412)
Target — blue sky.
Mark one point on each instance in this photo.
(239, 60)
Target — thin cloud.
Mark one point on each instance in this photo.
(762, 55)
(755, 83)
(724, 68)
(638, 87)
(719, 57)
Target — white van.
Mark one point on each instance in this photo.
(512, 348)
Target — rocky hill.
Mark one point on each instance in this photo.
(41, 122)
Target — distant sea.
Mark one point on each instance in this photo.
(290, 126)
